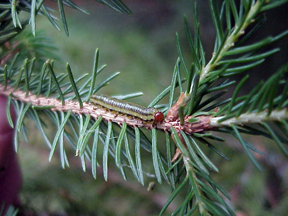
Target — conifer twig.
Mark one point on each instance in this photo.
(41, 102)
(231, 39)
(250, 118)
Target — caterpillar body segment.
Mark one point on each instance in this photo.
(121, 107)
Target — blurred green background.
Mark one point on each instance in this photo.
(142, 47)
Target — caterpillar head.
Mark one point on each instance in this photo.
(158, 117)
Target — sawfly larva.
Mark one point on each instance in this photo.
(121, 107)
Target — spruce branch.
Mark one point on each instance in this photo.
(251, 118)
(233, 115)
(227, 43)
(53, 104)
(37, 92)
(35, 7)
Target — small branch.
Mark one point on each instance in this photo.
(245, 118)
(231, 39)
(38, 102)
(197, 190)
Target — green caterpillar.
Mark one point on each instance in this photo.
(121, 107)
